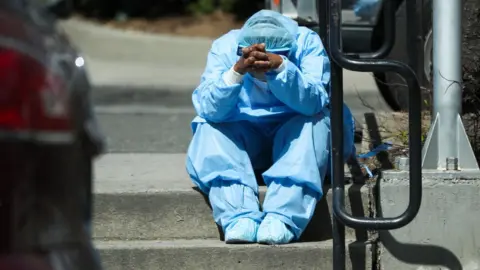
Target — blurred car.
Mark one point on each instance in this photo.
(366, 9)
(392, 86)
(363, 31)
(48, 140)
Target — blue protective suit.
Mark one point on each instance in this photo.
(281, 125)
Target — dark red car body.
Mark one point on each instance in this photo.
(48, 140)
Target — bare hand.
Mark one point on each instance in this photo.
(254, 48)
(266, 61)
(255, 58)
(263, 61)
(246, 61)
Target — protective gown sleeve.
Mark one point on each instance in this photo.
(304, 88)
(216, 97)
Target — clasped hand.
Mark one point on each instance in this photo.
(255, 59)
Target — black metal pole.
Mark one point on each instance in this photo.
(327, 11)
(338, 181)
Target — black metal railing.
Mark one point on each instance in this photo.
(330, 16)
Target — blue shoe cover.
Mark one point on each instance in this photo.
(243, 230)
(274, 232)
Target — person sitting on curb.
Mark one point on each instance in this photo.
(263, 102)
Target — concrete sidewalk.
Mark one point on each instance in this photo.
(121, 58)
(162, 62)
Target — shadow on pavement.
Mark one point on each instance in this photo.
(415, 254)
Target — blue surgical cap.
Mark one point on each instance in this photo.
(276, 31)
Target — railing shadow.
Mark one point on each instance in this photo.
(416, 254)
(357, 250)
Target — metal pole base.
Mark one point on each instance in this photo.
(433, 157)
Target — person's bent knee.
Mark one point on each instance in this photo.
(215, 152)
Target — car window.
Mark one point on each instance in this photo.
(360, 12)
(354, 12)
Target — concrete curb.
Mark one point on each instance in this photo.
(150, 197)
(171, 214)
(204, 254)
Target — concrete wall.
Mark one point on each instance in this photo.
(446, 232)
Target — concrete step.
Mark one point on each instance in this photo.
(150, 197)
(212, 254)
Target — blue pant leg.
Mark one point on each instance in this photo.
(218, 163)
(301, 154)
